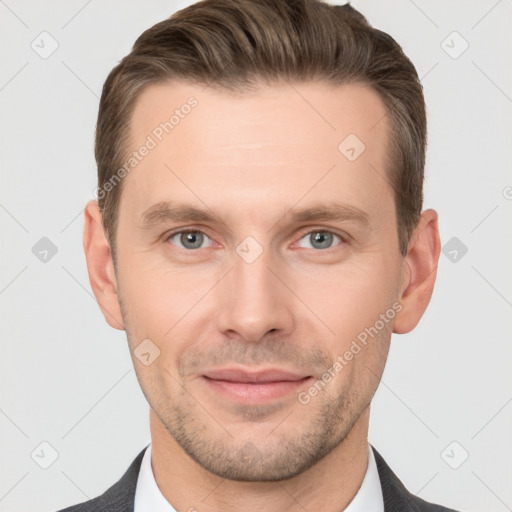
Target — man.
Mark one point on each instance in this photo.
(259, 236)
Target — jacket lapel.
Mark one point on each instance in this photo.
(121, 496)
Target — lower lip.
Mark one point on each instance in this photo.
(255, 393)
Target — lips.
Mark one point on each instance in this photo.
(253, 388)
(263, 376)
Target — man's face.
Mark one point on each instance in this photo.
(258, 286)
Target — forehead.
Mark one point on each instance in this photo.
(278, 143)
(310, 108)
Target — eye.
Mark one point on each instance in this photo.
(189, 239)
(319, 239)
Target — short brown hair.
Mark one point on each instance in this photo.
(234, 44)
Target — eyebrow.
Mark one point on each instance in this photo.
(167, 211)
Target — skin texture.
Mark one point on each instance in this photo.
(253, 161)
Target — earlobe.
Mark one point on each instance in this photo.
(419, 273)
(100, 266)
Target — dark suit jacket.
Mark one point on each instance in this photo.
(120, 497)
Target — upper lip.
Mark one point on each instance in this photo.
(268, 375)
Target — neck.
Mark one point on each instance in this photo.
(330, 485)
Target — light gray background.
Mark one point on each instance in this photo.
(66, 376)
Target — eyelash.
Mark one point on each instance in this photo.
(343, 239)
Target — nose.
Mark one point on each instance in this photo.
(254, 301)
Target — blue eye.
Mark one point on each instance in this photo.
(195, 239)
(189, 239)
(320, 239)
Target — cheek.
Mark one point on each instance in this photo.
(350, 297)
(163, 304)
(152, 303)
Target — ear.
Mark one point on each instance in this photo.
(419, 273)
(100, 266)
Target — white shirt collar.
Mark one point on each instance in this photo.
(149, 498)
(369, 496)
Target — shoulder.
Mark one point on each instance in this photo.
(396, 497)
(118, 498)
